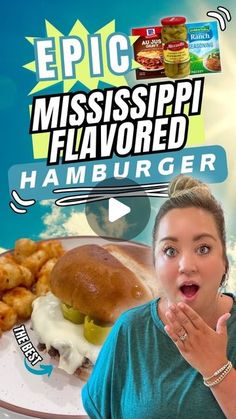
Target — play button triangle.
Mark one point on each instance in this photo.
(116, 210)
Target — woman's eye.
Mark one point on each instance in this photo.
(203, 250)
(170, 251)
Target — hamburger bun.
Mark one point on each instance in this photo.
(103, 282)
(139, 260)
(99, 282)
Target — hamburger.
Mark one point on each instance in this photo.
(91, 286)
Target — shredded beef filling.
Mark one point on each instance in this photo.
(53, 352)
(41, 346)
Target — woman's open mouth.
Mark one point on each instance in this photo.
(189, 291)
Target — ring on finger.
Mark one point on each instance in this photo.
(183, 337)
(181, 331)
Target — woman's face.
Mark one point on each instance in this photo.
(189, 257)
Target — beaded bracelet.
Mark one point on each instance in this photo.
(217, 372)
(227, 368)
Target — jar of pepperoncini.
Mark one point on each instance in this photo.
(175, 47)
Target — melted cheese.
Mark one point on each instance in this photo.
(52, 329)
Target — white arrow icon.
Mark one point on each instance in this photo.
(116, 210)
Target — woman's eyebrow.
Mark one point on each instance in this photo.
(170, 238)
(202, 236)
(195, 238)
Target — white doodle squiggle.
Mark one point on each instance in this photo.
(23, 202)
(220, 17)
(17, 210)
(99, 194)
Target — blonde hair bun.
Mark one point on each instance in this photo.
(182, 185)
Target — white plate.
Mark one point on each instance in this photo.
(23, 393)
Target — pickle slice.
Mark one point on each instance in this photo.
(95, 333)
(70, 313)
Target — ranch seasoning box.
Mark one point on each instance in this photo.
(204, 50)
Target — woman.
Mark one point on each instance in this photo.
(175, 357)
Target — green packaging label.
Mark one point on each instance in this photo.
(204, 47)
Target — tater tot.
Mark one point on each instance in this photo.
(27, 277)
(8, 317)
(24, 248)
(8, 258)
(35, 261)
(47, 267)
(20, 299)
(24, 275)
(12, 275)
(53, 248)
(43, 284)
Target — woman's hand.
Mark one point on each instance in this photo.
(202, 347)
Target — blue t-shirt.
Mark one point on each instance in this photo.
(141, 374)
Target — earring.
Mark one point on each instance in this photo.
(224, 280)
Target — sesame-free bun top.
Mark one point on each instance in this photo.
(139, 260)
(89, 278)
